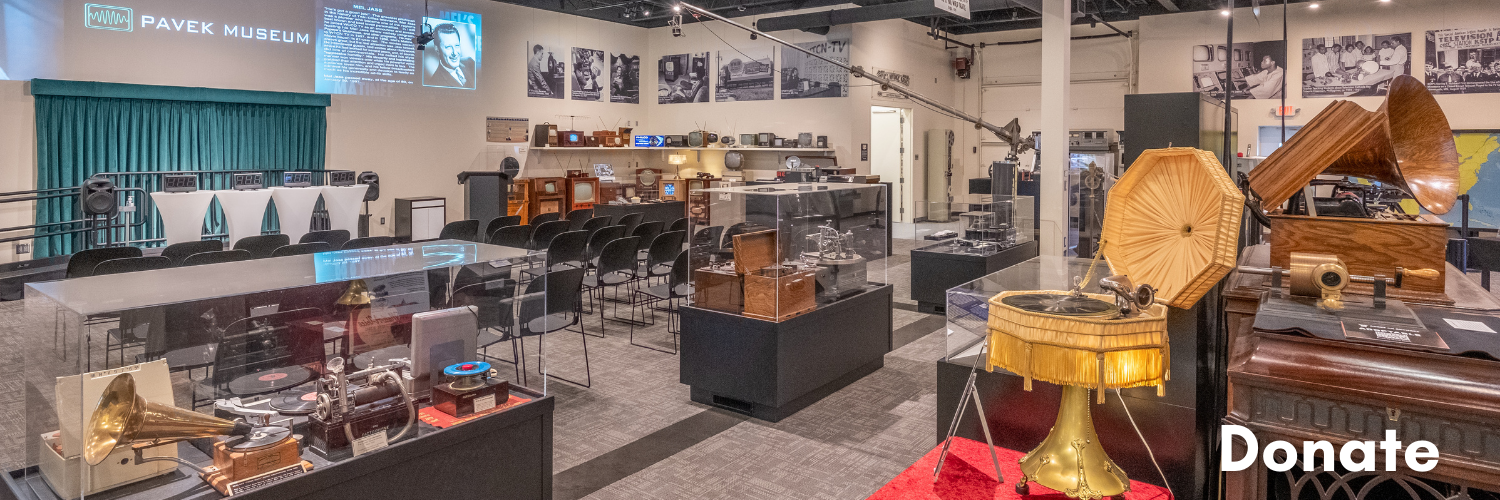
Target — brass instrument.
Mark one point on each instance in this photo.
(124, 418)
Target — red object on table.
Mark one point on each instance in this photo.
(437, 418)
(968, 475)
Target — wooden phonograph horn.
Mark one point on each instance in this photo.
(1407, 143)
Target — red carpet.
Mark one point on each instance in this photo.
(968, 475)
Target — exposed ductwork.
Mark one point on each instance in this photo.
(899, 10)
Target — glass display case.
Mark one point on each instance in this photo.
(1088, 188)
(244, 375)
(992, 225)
(774, 252)
(968, 304)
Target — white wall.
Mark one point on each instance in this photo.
(1166, 44)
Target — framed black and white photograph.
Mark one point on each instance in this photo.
(1358, 65)
(1248, 70)
(682, 78)
(803, 76)
(1463, 61)
(452, 58)
(546, 70)
(588, 74)
(746, 75)
(624, 78)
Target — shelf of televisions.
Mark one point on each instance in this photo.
(559, 149)
(548, 137)
(285, 366)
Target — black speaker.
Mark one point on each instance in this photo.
(372, 179)
(97, 197)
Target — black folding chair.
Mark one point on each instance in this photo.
(368, 242)
(301, 249)
(179, 251)
(220, 257)
(512, 236)
(677, 288)
(499, 222)
(82, 263)
(335, 238)
(260, 247)
(545, 218)
(467, 230)
(616, 267)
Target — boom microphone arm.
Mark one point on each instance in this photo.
(1010, 133)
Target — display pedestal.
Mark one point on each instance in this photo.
(294, 208)
(968, 474)
(1295, 388)
(342, 203)
(507, 455)
(182, 214)
(244, 212)
(1179, 426)
(933, 273)
(771, 370)
(664, 212)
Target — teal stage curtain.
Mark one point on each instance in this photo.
(88, 128)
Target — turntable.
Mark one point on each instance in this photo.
(1172, 224)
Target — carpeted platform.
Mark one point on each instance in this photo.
(968, 475)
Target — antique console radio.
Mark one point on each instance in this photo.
(1408, 145)
(351, 405)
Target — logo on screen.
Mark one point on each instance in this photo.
(108, 17)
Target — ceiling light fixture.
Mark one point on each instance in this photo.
(1313, 6)
(1225, 12)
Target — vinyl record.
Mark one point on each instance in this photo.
(261, 437)
(1062, 305)
(295, 402)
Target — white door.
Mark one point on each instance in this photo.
(890, 156)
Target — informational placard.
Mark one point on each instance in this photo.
(958, 8)
(895, 77)
(502, 129)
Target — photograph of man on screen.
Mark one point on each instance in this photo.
(449, 60)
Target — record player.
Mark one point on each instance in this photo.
(1170, 234)
(474, 390)
(1406, 144)
(353, 405)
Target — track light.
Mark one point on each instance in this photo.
(677, 8)
(1225, 12)
(645, 12)
(742, 7)
(1313, 6)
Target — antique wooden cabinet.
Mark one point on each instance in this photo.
(1297, 388)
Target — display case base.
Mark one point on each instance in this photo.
(771, 370)
(933, 273)
(507, 455)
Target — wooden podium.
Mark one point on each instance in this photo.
(1296, 388)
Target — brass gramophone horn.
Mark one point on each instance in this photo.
(1407, 143)
(124, 418)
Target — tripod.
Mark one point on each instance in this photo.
(970, 394)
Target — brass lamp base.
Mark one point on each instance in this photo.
(1071, 459)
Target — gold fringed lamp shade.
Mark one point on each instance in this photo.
(1172, 222)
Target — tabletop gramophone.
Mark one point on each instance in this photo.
(1170, 234)
(252, 455)
(1407, 145)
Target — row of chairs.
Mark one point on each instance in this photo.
(115, 260)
